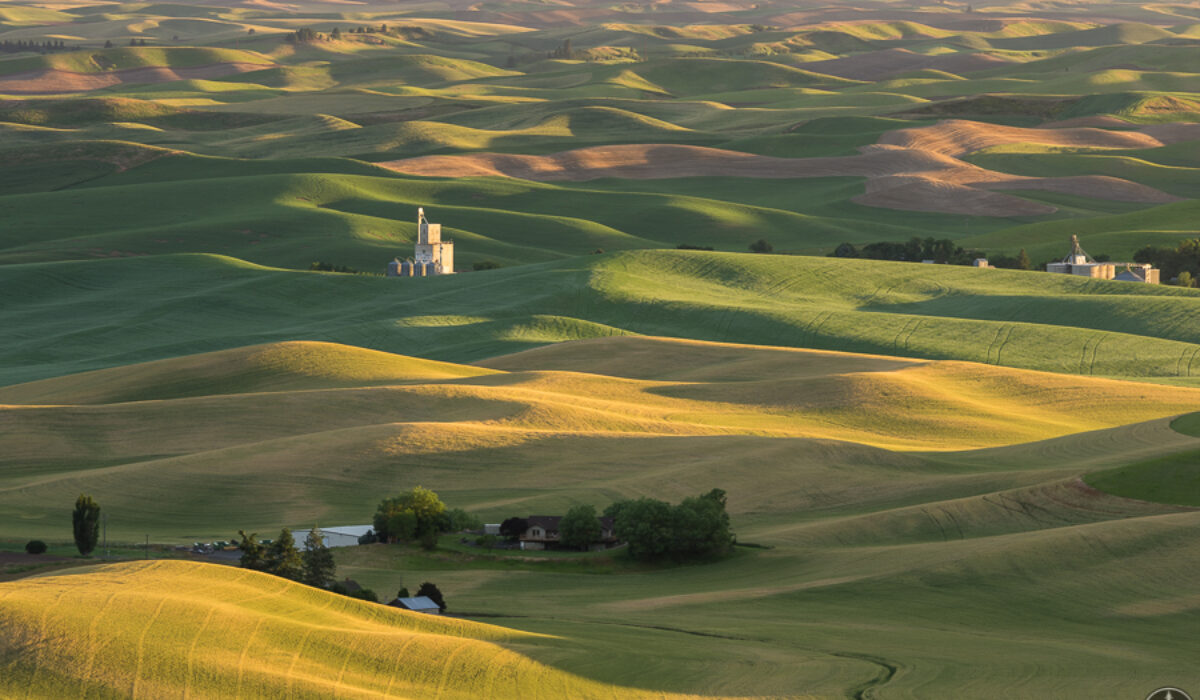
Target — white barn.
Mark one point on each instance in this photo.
(340, 536)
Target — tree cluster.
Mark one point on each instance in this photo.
(313, 566)
(415, 515)
(1181, 263)
(20, 46)
(579, 527)
(942, 251)
(302, 35)
(321, 266)
(655, 530)
(135, 42)
(513, 528)
(762, 246)
(563, 51)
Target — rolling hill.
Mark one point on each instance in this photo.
(281, 412)
(155, 629)
(1027, 320)
(945, 481)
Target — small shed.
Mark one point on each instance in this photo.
(421, 604)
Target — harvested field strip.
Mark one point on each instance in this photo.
(915, 177)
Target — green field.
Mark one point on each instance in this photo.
(949, 481)
(864, 544)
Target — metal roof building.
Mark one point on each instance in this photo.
(418, 604)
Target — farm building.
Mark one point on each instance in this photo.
(341, 536)
(542, 532)
(418, 604)
(1080, 263)
(431, 255)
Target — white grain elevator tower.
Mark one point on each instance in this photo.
(431, 251)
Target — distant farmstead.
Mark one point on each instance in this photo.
(1080, 263)
(542, 533)
(431, 255)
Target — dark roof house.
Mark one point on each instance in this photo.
(543, 529)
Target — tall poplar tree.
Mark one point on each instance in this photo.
(86, 521)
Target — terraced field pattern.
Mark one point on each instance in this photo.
(946, 481)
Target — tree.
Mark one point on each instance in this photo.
(761, 246)
(513, 528)
(364, 594)
(282, 557)
(645, 524)
(250, 31)
(403, 592)
(431, 592)
(1185, 257)
(252, 551)
(409, 515)
(1023, 262)
(697, 527)
(701, 526)
(1185, 279)
(457, 520)
(845, 250)
(336, 34)
(35, 547)
(317, 561)
(579, 527)
(108, 44)
(86, 521)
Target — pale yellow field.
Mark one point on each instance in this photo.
(179, 629)
(301, 390)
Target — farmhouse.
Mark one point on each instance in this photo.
(1080, 263)
(542, 533)
(341, 536)
(431, 255)
(418, 604)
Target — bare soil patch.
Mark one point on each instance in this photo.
(916, 169)
(880, 65)
(8, 559)
(49, 82)
(960, 137)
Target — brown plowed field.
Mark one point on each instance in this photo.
(912, 169)
(959, 137)
(880, 65)
(49, 82)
